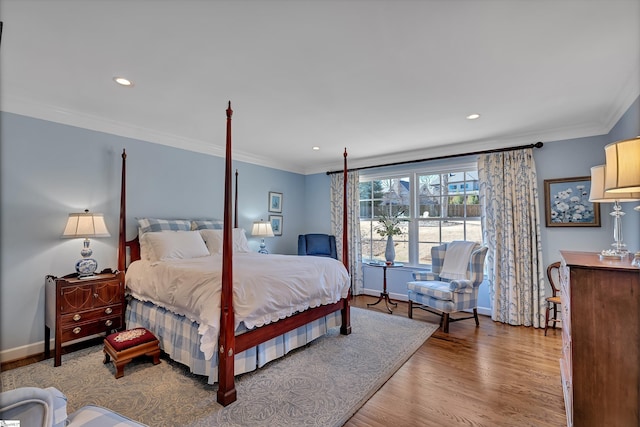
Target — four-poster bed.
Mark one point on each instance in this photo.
(221, 350)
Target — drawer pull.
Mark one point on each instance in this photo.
(108, 323)
(77, 330)
(95, 295)
(77, 317)
(108, 310)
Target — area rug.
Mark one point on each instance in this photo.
(323, 384)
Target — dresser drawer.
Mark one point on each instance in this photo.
(91, 315)
(82, 330)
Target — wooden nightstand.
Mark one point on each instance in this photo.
(77, 308)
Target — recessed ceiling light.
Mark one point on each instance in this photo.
(315, 148)
(122, 81)
(473, 116)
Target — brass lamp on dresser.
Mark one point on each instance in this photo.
(78, 307)
(600, 361)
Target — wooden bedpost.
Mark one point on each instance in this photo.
(122, 233)
(226, 339)
(235, 203)
(345, 329)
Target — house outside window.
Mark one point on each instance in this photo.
(438, 206)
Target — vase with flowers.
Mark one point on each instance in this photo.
(388, 226)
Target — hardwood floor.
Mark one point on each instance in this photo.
(494, 375)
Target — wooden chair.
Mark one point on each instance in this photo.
(553, 274)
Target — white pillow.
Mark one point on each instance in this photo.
(213, 239)
(174, 245)
(145, 251)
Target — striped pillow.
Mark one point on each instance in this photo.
(154, 224)
(207, 224)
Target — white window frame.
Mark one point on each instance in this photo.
(430, 168)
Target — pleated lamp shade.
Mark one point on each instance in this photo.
(85, 225)
(623, 166)
(598, 193)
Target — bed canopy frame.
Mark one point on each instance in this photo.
(228, 343)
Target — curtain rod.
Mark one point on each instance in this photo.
(497, 150)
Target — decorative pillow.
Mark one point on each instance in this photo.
(214, 238)
(154, 224)
(175, 245)
(207, 224)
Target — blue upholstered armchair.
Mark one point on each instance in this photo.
(430, 292)
(47, 407)
(317, 245)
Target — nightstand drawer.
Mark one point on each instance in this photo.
(88, 316)
(73, 332)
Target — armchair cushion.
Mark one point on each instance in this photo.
(96, 416)
(433, 289)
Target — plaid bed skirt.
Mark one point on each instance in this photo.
(179, 338)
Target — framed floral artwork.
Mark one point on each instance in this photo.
(276, 224)
(566, 203)
(275, 202)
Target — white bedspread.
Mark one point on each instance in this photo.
(265, 288)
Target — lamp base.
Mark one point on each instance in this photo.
(263, 248)
(86, 267)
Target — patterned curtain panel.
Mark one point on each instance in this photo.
(353, 224)
(511, 230)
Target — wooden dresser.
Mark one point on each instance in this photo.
(600, 361)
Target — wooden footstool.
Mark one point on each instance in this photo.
(123, 346)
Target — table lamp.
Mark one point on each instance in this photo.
(599, 195)
(85, 225)
(262, 229)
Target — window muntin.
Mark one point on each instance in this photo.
(443, 207)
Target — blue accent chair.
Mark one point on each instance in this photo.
(317, 245)
(47, 407)
(430, 292)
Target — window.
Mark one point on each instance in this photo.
(440, 206)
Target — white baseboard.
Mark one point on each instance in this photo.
(24, 351)
(486, 311)
(36, 348)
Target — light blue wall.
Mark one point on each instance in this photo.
(317, 209)
(50, 170)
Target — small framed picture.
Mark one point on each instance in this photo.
(566, 203)
(276, 224)
(275, 202)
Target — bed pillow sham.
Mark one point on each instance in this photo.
(167, 245)
(147, 225)
(207, 224)
(213, 240)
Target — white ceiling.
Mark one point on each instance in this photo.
(388, 80)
